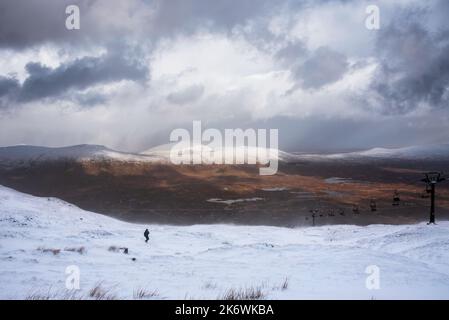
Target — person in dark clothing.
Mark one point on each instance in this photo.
(146, 235)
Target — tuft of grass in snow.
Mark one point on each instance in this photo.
(113, 249)
(209, 285)
(125, 250)
(284, 285)
(45, 250)
(80, 250)
(248, 293)
(143, 293)
(100, 293)
(39, 296)
(188, 296)
(54, 295)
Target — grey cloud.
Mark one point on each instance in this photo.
(25, 23)
(325, 66)
(187, 15)
(89, 99)
(8, 90)
(414, 67)
(45, 82)
(335, 135)
(312, 69)
(8, 86)
(186, 95)
(413, 63)
(292, 53)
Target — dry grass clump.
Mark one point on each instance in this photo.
(209, 285)
(80, 250)
(52, 250)
(247, 293)
(284, 285)
(113, 249)
(54, 295)
(100, 293)
(39, 296)
(143, 293)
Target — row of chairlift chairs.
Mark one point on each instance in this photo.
(430, 178)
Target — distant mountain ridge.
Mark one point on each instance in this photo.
(26, 154)
(428, 152)
(253, 154)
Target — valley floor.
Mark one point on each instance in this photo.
(41, 237)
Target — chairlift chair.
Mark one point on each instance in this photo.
(396, 198)
(373, 205)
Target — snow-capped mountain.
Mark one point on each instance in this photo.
(430, 152)
(41, 237)
(26, 154)
(252, 154)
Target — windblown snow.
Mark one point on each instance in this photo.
(40, 237)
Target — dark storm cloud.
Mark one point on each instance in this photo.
(325, 66)
(8, 86)
(8, 90)
(414, 66)
(44, 82)
(187, 15)
(312, 69)
(25, 23)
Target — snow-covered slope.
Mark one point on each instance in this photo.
(414, 152)
(228, 154)
(25, 154)
(204, 261)
(431, 152)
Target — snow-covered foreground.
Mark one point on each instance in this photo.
(204, 261)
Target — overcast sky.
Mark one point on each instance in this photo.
(137, 69)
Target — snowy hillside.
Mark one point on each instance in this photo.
(40, 237)
(252, 154)
(25, 154)
(431, 152)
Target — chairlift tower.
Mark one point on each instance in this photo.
(431, 179)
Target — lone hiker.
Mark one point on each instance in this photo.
(146, 235)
